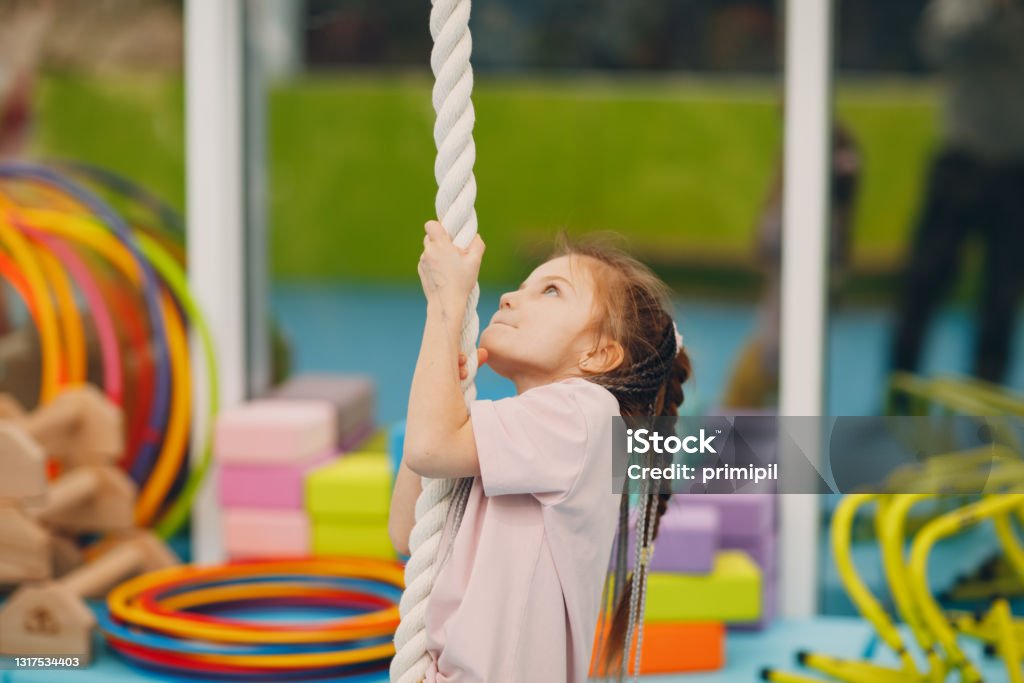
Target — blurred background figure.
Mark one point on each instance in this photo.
(755, 376)
(23, 25)
(976, 182)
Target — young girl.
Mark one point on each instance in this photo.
(525, 552)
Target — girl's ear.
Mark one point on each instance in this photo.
(605, 359)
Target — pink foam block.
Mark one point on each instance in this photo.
(742, 515)
(266, 533)
(275, 431)
(687, 540)
(351, 395)
(267, 486)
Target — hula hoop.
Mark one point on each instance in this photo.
(161, 477)
(148, 263)
(106, 331)
(15, 278)
(158, 412)
(73, 369)
(169, 618)
(49, 332)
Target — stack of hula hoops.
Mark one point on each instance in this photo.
(92, 279)
(183, 620)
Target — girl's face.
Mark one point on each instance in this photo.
(543, 331)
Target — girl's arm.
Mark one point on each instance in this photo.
(403, 508)
(408, 487)
(438, 435)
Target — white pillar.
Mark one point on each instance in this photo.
(216, 235)
(279, 29)
(808, 99)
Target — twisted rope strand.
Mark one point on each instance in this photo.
(456, 196)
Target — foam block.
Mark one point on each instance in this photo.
(267, 486)
(731, 592)
(333, 536)
(769, 605)
(374, 441)
(741, 515)
(352, 396)
(687, 540)
(272, 431)
(266, 533)
(761, 548)
(355, 487)
(674, 648)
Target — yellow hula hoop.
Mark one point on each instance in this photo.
(89, 233)
(176, 441)
(49, 332)
(71, 321)
(122, 606)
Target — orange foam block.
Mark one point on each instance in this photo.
(251, 532)
(674, 648)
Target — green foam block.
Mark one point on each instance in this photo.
(731, 592)
(355, 487)
(339, 537)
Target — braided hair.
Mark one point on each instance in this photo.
(634, 310)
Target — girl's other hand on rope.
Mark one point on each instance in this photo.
(447, 272)
(481, 358)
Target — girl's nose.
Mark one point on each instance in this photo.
(505, 301)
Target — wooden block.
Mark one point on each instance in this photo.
(22, 465)
(88, 499)
(276, 485)
(275, 431)
(250, 533)
(731, 592)
(53, 619)
(347, 537)
(353, 398)
(80, 426)
(674, 648)
(26, 552)
(354, 487)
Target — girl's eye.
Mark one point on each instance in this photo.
(550, 288)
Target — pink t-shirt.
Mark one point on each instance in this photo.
(517, 600)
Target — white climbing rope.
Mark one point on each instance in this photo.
(456, 196)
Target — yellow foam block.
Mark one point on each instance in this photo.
(375, 443)
(355, 487)
(340, 537)
(731, 592)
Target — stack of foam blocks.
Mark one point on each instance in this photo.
(300, 472)
(713, 567)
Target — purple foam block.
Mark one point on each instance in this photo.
(769, 604)
(761, 548)
(267, 486)
(687, 540)
(742, 515)
(351, 395)
(356, 437)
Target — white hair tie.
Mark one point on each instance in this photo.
(679, 338)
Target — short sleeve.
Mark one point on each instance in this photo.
(535, 442)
